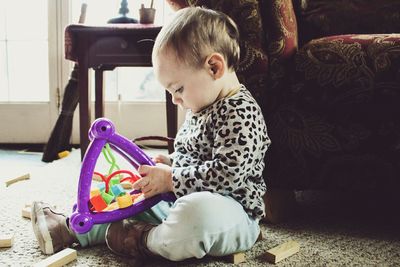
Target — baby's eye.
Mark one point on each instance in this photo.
(179, 90)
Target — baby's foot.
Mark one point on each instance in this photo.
(129, 238)
(50, 228)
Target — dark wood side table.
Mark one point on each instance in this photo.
(105, 48)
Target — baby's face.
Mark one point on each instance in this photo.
(190, 87)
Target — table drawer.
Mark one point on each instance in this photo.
(132, 50)
(123, 45)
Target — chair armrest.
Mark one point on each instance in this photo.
(320, 18)
(343, 70)
(280, 26)
(337, 125)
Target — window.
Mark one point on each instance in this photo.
(34, 72)
(24, 61)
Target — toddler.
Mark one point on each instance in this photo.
(216, 169)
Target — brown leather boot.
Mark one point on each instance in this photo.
(129, 238)
(50, 228)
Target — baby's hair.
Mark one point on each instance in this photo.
(195, 33)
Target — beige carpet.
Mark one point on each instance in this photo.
(332, 229)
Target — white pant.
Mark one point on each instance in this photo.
(195, 225)
(203, 223)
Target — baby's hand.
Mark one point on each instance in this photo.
(162, 159)
(156, 180)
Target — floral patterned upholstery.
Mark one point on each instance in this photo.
(339, 128)
(319, 18)
(331, 94)
(334, 124)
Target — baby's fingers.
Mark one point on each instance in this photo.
(144, 170)
(150, 191)
(162, 159)
(159, 159)
(141, 184)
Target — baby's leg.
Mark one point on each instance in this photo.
(96, 235)
(203, 223)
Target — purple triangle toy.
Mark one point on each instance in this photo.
(102, 132)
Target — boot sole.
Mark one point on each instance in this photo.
(40, 229)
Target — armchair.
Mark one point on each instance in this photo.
(327, 76)
(335, 124)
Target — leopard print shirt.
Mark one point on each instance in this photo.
(221, 149)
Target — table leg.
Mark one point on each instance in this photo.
(99, 92)
(172, 114)
(84, 105)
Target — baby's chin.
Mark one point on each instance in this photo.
(182, 107)
(193, 109)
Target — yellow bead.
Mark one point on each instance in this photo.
(63, 154)
(94, 192)
(124, 201)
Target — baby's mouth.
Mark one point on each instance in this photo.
(181, 107)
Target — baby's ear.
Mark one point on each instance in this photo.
(215, 65)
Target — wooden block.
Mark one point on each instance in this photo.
(25, 151)
(20, 178)
(96, 177)
(6, 241)
(26, 212)
(112, 206)
(127, 185)
(236, 258)
(59, 259)
(137, 198)
(282, 251)
(29, 206)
